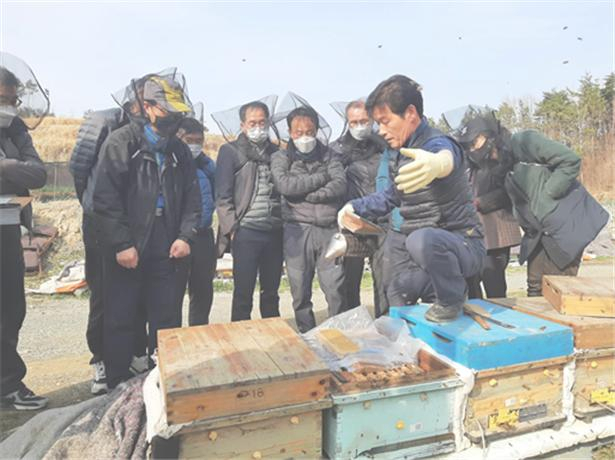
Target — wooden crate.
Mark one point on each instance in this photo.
(282, 433)
(227, 369)
(594, 386)
(515, 399)
(581, 296)
(403, 413)
(589, 333)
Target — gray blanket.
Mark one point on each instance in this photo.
(110, 426)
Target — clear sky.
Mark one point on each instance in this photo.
(460, 52)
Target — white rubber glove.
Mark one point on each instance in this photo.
(347, 210)
(426, 167)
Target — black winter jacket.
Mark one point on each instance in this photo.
(313, 186)
(128, 182)
(21, 168)
(360, 160)
(92, 133)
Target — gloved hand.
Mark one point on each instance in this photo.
(426, 167)
(347, 210)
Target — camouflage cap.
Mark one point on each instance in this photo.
(167, 93)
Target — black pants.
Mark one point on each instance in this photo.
(12, 308)
(256, 253)
(443, 260)
(304, 251)
(203, 260)
(94, 275)
(158, 284)
(493, 275)
(539, 264)
(353, 273)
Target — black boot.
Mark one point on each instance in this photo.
(443, 314)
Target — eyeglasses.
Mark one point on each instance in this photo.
(14, 101)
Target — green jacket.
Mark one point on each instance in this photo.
(544, 169)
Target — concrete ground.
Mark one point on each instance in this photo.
(52, 340)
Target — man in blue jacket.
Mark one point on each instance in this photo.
(203, 252)
(443, 235)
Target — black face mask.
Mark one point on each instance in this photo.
(480, 157)
(168, 126)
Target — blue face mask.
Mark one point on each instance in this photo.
(155, 140)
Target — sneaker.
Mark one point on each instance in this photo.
(24, 399)
(441, 314)
(99, 382)
(139, 365)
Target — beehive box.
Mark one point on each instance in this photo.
(396, 413)
(594, 385)
(228, 369)
(589, 333)
(594, 341)
(282, 433)
(580, 296)
(516, 399)
(513, 337)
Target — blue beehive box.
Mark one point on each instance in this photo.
(466, 342)
(414, 420)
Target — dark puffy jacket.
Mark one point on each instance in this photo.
(445, 203)
(312, 186)
(360, 160)
(21, 168)
(552, 207)
(128, 183)
(206, 172)
(236, 174)
(93, 131)
(488, 187)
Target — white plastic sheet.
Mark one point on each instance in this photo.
(383, 342)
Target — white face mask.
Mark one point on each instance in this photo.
(7, 114)
(258, 135)
(305, 144)
(196, 149)
(360, 132)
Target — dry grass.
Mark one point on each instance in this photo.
(212, 144)
(55, 139)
